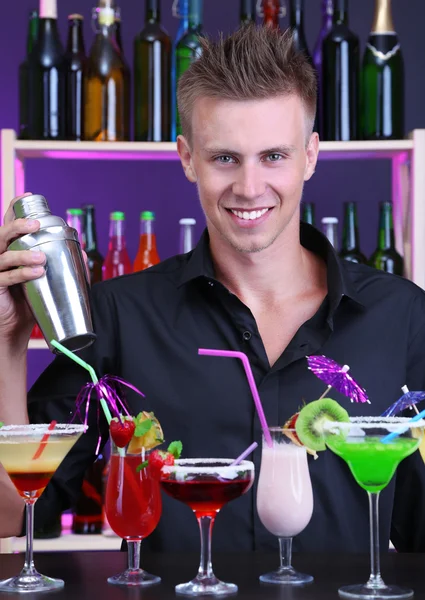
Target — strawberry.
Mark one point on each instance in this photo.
(158, 459)
(122, 432)
(292, 435)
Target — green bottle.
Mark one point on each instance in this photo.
(23, 76)
(152, 72)
(386, 256)
(382, 80)
(189, 48)
(308, 213)
(350, 235)
(247, 12)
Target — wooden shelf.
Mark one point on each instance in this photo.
(37, 345)
(66, 542)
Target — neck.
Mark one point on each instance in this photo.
(382, 21)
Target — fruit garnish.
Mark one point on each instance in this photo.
(1, 423)
(148, 433)
(160, 458)
(292, 435)
(122, 431)
(310, 422)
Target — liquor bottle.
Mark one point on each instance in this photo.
(75, 58)
(152, 71)
(308, 213)
(147, 254)
(181, 11)
(87, 517)
(23, 76)
(382, 80)
(340, 84)
(117, 261)
(350, 235)
(327, 13)
(386, 256)
(47, 79)
(107, 82)
(247, 12)
(187, 235)
(271, 11)
(189, 49)
(296, 23)
(74, 218)
(118, 33)
(330, 229)
(94, 257)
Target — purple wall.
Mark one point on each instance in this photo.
(136, 186)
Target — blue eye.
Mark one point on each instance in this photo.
(274, 157)
(224, 159)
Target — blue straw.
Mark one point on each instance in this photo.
(391, 436)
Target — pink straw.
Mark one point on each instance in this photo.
(250, 377)
(244, 454)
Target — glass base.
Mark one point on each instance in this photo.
(368, 593)
(25, 583)
(286, 577)
(134, 577)
(206, 586)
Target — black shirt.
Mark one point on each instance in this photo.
(150, 326)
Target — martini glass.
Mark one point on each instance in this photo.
(373, 463)
(206, 485)
(30, 454)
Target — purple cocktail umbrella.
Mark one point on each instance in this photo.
(336, 376)
(407, 400)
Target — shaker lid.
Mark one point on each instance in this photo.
(31, 207)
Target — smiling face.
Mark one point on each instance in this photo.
(249, 160)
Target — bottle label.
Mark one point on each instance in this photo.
(383, 45)
(48, 9)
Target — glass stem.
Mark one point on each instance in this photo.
(375, 579)
(206, 524)
(29, 567)
(285, 545)
(133, 555)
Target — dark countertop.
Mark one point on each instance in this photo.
(85, 574)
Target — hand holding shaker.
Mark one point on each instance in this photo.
(59, 300)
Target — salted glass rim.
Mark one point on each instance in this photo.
(388, 423)
(40, 429)
(244, 465)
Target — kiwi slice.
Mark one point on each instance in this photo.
(309, 425)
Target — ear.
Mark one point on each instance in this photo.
(312, 153)
(185, 154)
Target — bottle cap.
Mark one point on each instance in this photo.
(117, 216)
(147, 215)
(74, 211)
(187, 222)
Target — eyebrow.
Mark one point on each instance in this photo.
(285, 149)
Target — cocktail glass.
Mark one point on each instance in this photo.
(373, 464)
(133, 508)
(284, 500)
(31, 470)
(206, 485)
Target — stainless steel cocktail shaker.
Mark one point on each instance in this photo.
(59, 299)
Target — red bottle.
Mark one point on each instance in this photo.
(36, 333)
(147, 254)
(271, 11)
(117, 261)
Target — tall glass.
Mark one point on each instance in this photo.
(284, 500)
(30, 454)
(133, 508)
(206, 485)
(373, 464)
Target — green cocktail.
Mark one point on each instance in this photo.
(373, 463)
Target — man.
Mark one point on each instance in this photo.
(256, 282)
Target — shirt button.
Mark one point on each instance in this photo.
(246, 336)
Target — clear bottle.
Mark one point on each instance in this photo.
(187, 235)
(74, 218)
(330, 229)
(180, 11)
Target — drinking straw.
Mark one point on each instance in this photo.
(44, 439)
(89, 368)
(391, 436)
(244, 454)
(243, 357)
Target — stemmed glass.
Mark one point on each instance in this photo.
(373, 463)
(284, 499)
(133, 508)
(31, 454)
(206, 485)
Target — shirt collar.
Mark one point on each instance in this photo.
(200, 265)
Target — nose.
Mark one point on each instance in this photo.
(249, 183)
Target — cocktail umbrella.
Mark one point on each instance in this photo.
(336, 376)
(407, 400)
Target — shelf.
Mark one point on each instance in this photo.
(37, 345)
(68, 542)
(168, 150)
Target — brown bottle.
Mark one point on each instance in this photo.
(94, 257)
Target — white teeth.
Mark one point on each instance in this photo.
(251, 215)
